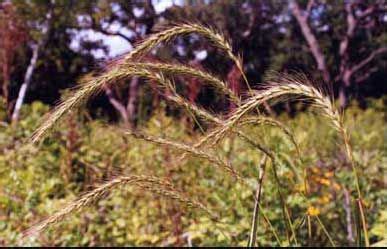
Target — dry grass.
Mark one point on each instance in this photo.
(190, 150)
(175, 70)
(277, 88)
(169, 34)
(92, 85)
(149, 183)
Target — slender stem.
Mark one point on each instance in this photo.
(347, 209)
(309, 230)
(254, 223)
(269, 223)
(363, 221)
(240, 68)
(285, 210)
(283, 203)
(348, 150)
(325, 231)
(358, 226)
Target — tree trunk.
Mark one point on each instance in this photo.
(117, 105)
(128, 113)
(343, 89)
(26, 83)
(132, 101)
(31, 67)
(302, 19)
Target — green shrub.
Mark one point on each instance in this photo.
(33, 185)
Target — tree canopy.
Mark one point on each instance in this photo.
(341, 44)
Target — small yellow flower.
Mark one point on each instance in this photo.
(325, 182)
(312, 211)
(324, 199)
(336, 186)
(300, 187)
(315, 170)
(328, 174)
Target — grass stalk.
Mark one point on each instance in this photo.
(299, 86)
(165, 36)
(149, 183)
(174, 69)
(309, 224)
(266, 219)
(189, 149)
(325, 231)
(258, 194)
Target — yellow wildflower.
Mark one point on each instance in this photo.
(325, 181)
(324, 199)
(313, 211)
(336, 186)
(300, 187)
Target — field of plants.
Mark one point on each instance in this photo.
(261, 123)
(80, 155)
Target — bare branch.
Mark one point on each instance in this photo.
(302, 19)
(111, 33)
(132, 99)
(361, 78)
(116, 104)
(351, 26)
(367, 60)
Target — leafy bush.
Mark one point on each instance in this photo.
(34, 182)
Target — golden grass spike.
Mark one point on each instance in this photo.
(80, 96)
(184, 70)
(297, 85)
(95, 84)
(207, 116)
(276, 123)
(212, 118)
(167, 35)
(189, 149)
(285, 85)
(177, 99)
(150, 183)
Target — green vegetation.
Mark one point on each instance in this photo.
(80, 154)
(191, 138)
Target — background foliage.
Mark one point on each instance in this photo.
(89, 148)
(37, 181)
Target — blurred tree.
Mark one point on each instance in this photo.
(357, 29)
(346, 40)
(36, 47)
(250, 26)
(48, 63)
(13, 34)
(131, 21)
